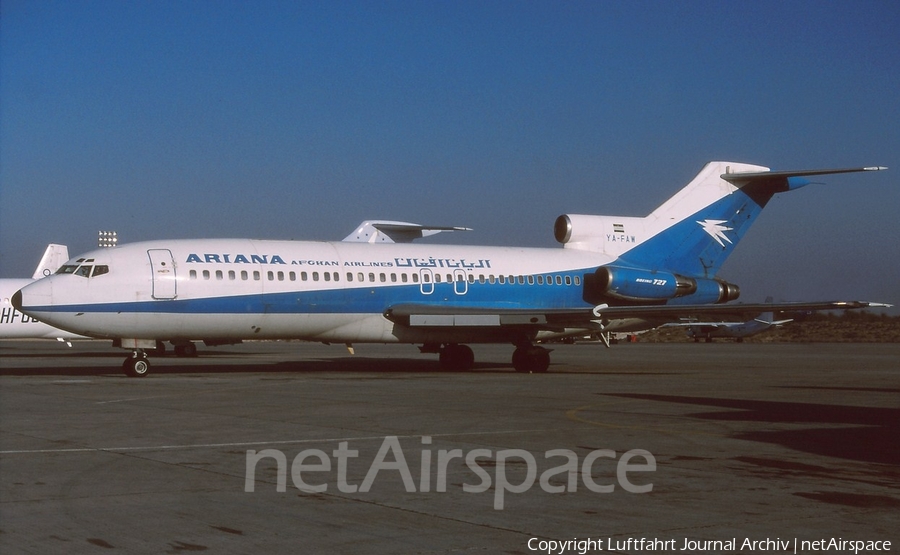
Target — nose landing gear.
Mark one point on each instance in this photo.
(137, 365)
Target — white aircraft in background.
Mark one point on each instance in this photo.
(735, 330)
(612, 274)
(16, 325)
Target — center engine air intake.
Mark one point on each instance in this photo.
(643, 285)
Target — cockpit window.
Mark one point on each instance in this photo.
(84, 271)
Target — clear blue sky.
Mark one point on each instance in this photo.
(297, 120)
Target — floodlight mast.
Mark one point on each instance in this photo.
(107, 239)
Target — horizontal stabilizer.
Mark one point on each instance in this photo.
(741, 177)
(384, 231)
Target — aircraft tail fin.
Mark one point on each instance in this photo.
(695, 231)
(767, 317)
(54, 257)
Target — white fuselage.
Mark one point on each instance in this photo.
(233, 289)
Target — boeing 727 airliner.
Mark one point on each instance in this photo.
(612, 274)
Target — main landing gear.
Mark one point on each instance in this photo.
(137, 365)
(182, 349)
(527, 358)
(531, 359)
(187, 349)
(456, 358)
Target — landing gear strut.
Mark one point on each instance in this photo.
(137, 365)
(531, 359)
(456, 358)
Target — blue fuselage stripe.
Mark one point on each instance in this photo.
(356, 300)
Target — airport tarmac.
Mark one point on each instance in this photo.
(742, 442)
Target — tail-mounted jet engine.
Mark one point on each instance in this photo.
(631, 284)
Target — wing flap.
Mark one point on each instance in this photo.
(413, 315)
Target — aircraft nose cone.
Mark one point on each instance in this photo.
(17, 300)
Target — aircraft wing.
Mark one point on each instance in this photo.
(423, 315)
(715, 325)
(776, 322)
(722, 323)
(738, 311)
